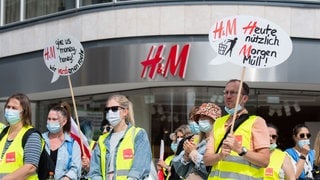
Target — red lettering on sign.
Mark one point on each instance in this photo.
(245, 51)
(63, 71)
(230, 29)
(49, 53)
(153, 63)
(250, 27)
(173, 62)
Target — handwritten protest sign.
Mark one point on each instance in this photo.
(249, 41)
(63, 56)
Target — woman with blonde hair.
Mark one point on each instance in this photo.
(125, 152)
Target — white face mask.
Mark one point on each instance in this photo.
(53, 127)
(12, 116)
(205, 125)
(232, 111)
(113, 117)
(301, 143)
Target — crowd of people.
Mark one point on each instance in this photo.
(237, 145)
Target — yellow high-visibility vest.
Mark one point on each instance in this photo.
(276, 160)
(13, 157)
(234, 166)
(125, 154)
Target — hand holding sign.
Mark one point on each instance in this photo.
(63, 56)
(249, 41)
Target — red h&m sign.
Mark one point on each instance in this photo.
(154, 62)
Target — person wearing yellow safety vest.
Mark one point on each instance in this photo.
(241, 153)
(125, 152)
(280, 165)
(18, 162)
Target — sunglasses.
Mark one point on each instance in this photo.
(113, 108)
(273, 136)
(105, 128)
(303, 135)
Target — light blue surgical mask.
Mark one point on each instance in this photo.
(174, 147)
(194, 127)
(12, 116)
(113, 117)
(205, 125)
(232, 111)
(53, 126)
(273, 146)
(301, 143)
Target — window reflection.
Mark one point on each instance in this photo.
(35, 8)
(12, 11)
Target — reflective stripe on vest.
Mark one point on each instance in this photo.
(124, 155)
(234, 166)
(13, 157)
(276, 160)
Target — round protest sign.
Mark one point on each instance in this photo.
(249, 41)
(63, 56)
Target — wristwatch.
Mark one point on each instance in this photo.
(243, 152)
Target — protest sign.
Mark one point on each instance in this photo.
(249, 41)
(63, 56)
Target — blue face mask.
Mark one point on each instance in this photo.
(194, 127)
(12, 116)
(174, 147)
(231, 111)
(53, 127)
(205, 125)
(113, 117)
(301, 143)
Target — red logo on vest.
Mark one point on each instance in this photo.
(127, 154)
(10, 157)
(268, 172)
(239, 139)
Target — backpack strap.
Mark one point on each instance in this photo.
(69, 148)
(27, 134)
(4, 132)
(242, 118)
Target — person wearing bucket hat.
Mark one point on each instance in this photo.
(189, 163)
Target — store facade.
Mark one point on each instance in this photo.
(165, 73)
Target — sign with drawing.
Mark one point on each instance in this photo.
(249, 41)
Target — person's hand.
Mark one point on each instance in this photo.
(161, 164)
(85, 163)
(225, 151)
(232, 143)
(305, 149)
(189, 146)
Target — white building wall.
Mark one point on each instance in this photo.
(160, 20)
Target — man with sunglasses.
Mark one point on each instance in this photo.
(301, 153)
(280, 165)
